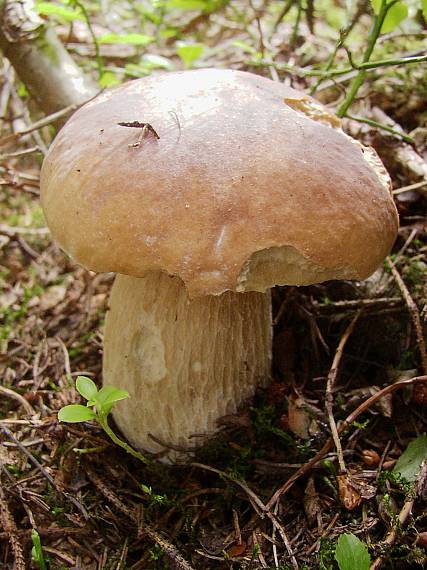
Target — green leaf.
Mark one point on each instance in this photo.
(351, 553)
(409, 464)
(188, 4)
(75, 413)
(396, 14)
(133, 39)
(424, 9)
(60, 12)
(189, 52)
(86, 387)
(36, 551)
(108, 79)
(109, 395)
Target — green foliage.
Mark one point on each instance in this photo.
(75, 413)
(59, 12)
(188, 4)
(409, 464)
(396, 13)
(154, 498)
(108, 79)
(101, 401)
(156, 553)
(36, 551)
(351, 553)
(189, 52)
(326, 554)
(133, 39)
(86, 387)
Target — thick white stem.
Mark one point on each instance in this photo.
(186, 363)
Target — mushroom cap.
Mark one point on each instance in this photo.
(251, 184)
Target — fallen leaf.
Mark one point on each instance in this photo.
(237, 550)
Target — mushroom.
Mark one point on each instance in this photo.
(227, 184)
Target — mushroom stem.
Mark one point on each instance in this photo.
(185, 362)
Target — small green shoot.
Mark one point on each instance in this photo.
(36, 551)
(351, 553)
(189, 52)
(99, 405)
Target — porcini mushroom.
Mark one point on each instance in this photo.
(229, 184)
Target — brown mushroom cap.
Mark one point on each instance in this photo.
(251, 184)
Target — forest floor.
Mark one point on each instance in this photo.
(96, 507)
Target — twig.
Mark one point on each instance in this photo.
(392, 534)
(45, 121)
(329, 390)
(260, 508)
(415, 315)
(258, 23)
(98, 57)
(13, 230)
(372, 39)
(355, 304)
(109, 494)
(349, 72)
(295, 30)
(23, 152)
(284, 11)
(382, 126)
(22, 401)
(415, 186)
(47, 476)
(343, 36)
(170, 550)
(342, 426)
(8, 523)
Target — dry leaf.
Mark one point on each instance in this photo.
(312, 506)
(371, 457)
(298, 418)
(237, 550)
(349, 496)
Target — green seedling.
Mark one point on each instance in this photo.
(36, 551)
(98, 407)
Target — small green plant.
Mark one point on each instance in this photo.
(99, 405)
(36, 551)
(154, 498)
(409, 464)
(351, 553)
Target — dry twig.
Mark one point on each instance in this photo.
(329, 391)
(415, 315)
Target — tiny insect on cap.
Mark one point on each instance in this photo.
(228, 180)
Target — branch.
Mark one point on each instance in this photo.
(39, 58)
